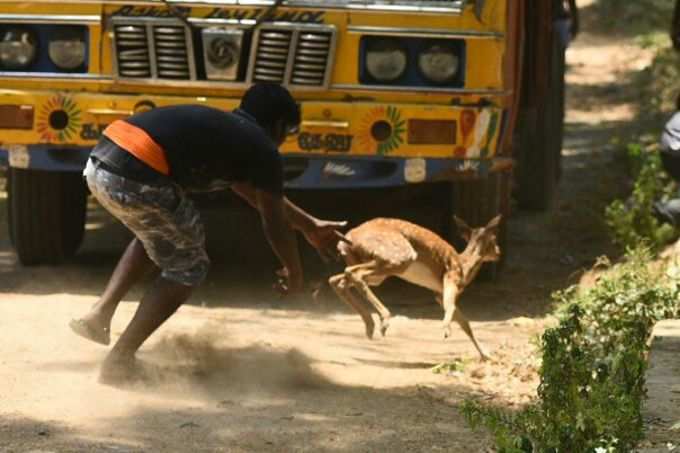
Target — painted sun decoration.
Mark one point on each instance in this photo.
(382, 130)
(59, 119)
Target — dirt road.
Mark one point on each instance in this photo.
(239, 371)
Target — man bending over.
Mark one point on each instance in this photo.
(141, 172)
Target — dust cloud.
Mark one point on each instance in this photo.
(205, 364)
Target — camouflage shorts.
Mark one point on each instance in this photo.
(162, 217)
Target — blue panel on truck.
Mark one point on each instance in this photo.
(340, 172)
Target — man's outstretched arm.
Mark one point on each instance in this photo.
(299, 219)
(323, 235)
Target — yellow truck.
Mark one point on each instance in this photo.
(393, 93)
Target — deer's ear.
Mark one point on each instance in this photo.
(463, 229)
(494, 223)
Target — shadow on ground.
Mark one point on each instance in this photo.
(18, 433)
(250, 399)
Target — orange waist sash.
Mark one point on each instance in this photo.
(138, 143)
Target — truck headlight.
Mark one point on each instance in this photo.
(438, 63)
(221, 52)
(18, 47)
(385, 59)
(67, 52)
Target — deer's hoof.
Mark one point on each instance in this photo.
(447, 332)
(384, 325)
(484, 357)
(370, 329)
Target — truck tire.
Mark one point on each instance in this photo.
(540, 132)
(476, 202)
(46, 214)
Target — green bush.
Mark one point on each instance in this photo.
(633, 17)
(630, 221)
(593, 367)
(657, 85)
(594, 362)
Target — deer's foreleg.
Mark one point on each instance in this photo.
(448, 300)
(453, 313)
(343, 290)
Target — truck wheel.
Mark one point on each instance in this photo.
(476, 202)
(46, 213)
(540, 142)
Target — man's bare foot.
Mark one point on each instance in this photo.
(91, 330)
(119, 369)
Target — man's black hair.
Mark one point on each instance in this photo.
(269, 102)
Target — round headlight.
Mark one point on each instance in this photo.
(222, 52)
(67, 53)
(438, 63)
(17, 48)
(385, 59)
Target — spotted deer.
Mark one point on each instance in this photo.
(382, 248)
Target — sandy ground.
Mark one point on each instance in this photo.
(238, 370)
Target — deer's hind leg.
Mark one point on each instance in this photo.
(343, 289)
(452, 312)
(371, 273)
(391, 252)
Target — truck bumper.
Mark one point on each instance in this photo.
(301, 171)
(340, 144)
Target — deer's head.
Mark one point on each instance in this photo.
(481, 242)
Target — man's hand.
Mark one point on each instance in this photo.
(282, 239)
(324, 237)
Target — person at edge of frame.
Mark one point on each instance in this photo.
(669, 211)
(675, 26)
(142, 170)
(566, 20)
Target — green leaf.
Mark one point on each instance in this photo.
(448, 367)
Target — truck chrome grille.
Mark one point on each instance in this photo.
(298, 55)
(311, 58)
(132, 51)
(158, 49)
(292, 55)
(271, 57)
(172, 61)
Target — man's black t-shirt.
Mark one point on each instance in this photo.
(205, 148)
